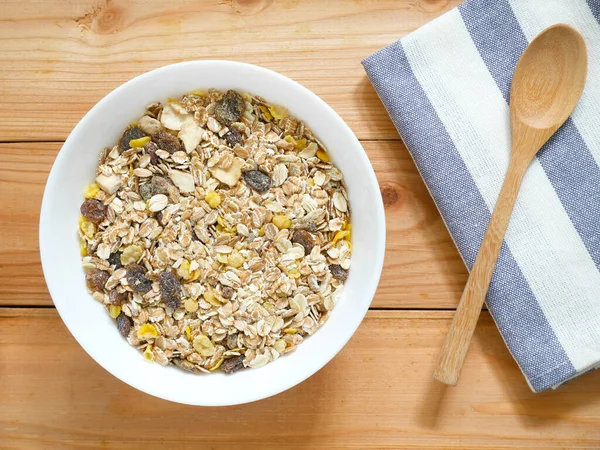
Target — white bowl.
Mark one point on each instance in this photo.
(75, 168)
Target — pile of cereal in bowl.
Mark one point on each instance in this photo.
(217, 232)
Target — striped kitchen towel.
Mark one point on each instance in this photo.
(447, 87)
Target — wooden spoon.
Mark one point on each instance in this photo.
(547, 83)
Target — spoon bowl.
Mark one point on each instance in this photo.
(548, 80)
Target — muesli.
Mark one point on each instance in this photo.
(217, 232)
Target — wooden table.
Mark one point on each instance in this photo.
(60, 57)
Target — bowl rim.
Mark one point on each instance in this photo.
(378, 250)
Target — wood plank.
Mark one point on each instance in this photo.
(55, 396)
(60, 58)
(422, 267)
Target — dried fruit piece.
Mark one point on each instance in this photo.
(233, 364)
(170, 289)
(129, 135)
(115, 260)
(91, 191)
(210, 298)
(203, 345)
(174, 116)
(266, 114)
(232, 341)
(141, 142)
(157, 185)
(154, 109)
(124, 324)
(109, 184)
(323, 155)
(191, 134)
(151, 148)
(149, 125)
(344, 234)
(147, 331)
(231, 175)
(186, 365)
(83, 248)
(305, 239)
(148, 355)
(118, 298)
(281, 221)
(86, 227)
(213, 199)
(234, 137)
(114, 311)
(166, 141)
(93, 210)
(338, 272)
(136, 277)
(96, 279)
(257, 180)
(131, 254)
(230, 108)
(278, 112)
(226, 292)
(184, 272)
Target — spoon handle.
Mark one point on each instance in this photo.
(463, 325)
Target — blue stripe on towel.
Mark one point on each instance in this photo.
(520, 319)
(595, 7)
(566, 159)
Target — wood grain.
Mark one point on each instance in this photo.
(422, 267)
(376, 393)
(60, 58)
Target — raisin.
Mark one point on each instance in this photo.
(305, 239)
(151, 148)
(257, 180)
(170, 289)
(232, 341)
(117, 298)
(129, 135)
(136, 277)
(115, 260)
(234, 137)
(226, 292)
(309, 226)
(337, 272)
(233, 364)
(123, 324)
(186, 365)
(156, 185)
(166, 141)
(230, 108)
(154, 109)
(146, 191)
(96, 279)
(93, 210)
